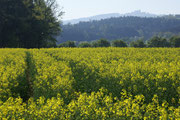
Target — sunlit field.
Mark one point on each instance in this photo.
(90, 83)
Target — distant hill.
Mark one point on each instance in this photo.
(137, 13)
(127, 28)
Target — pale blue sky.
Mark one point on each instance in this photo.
(84, 8)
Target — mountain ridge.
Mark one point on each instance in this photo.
(137, 13)
(128, 28)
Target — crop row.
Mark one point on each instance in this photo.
(12, 73)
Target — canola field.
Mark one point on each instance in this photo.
(90, 84)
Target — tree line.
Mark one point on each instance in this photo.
(129, 28)
(155, 41)
(29, 23)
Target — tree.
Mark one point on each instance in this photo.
(68, 44)
(119, 43)
(164, 42)
(84, 44)
(49, 24)
(137, 44)
(101, 43)
(29, 23)
(12, 14)
(175, 41)
(158, 42)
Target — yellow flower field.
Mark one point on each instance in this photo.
(90, 83)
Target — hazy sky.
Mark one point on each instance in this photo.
(84, 8)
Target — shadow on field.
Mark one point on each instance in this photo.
(89, 79)
(24, 87)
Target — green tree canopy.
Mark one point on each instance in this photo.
(158, 42)
(119, 43)
(101, 43)
(29, 23)
(138, 44)
(68, 44)
(175, 41)
(84, 44)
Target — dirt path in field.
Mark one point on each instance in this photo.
(28, 77)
